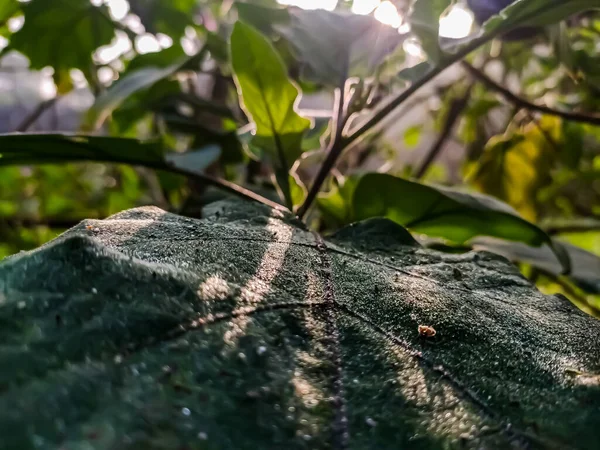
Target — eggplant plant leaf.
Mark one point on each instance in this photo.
(16, 148)
(585, 265)
(244, 330)
(454, 215)
(356, 45)
(123, 89)
(268, 97)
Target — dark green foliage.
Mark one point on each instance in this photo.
(55, 26)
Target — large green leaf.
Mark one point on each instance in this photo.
(355, 45)
(268, 97)
(62, 34)
(437, 211)
(245, 331)
(425, 24)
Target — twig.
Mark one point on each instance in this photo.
(334, 150)
(526, 104)
(343, 143)
(582, 226)
(454, 112)
(35, 114)
(221, 184)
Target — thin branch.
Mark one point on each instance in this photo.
(454, 112)
(526, 104)
(385, 110)
(334, 150)
(28, 121)
(338, 146)
(575, 226)
(221, 184)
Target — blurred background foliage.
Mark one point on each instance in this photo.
(516, 119)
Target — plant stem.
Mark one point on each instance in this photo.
(526, 104)
(339, 145)
(35, 114)
(221, 184)
(456, 108)
(334, 150)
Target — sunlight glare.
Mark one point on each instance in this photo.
(413, 48)
(329, 5)
(364, 7)
(47, 89)
(387, 14)
(164, 40)
(15, 24)
(147, 43)
(118, 8)
(119, 46)
(457, 23)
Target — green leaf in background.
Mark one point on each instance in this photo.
(451, 214)
(298, 190)
(62, 34)
(585, 265)
(122, 89)
(18, 148)
(415, 72)
(412, 135)
(262, 17)
(162, 59)
(8, 8)
(268, 97)
(515, 167)
(170, 17)
(424, 19)
(196, 160)
(537, 13)
(336, 45)
(336, 205)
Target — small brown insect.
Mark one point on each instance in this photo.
(427, 331)
(89, 227)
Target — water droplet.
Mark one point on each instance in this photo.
(369, 421)
(186, 411)
(118, 359)
(242, 356)
(94, 291)
(202, 436)
(307, 437)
